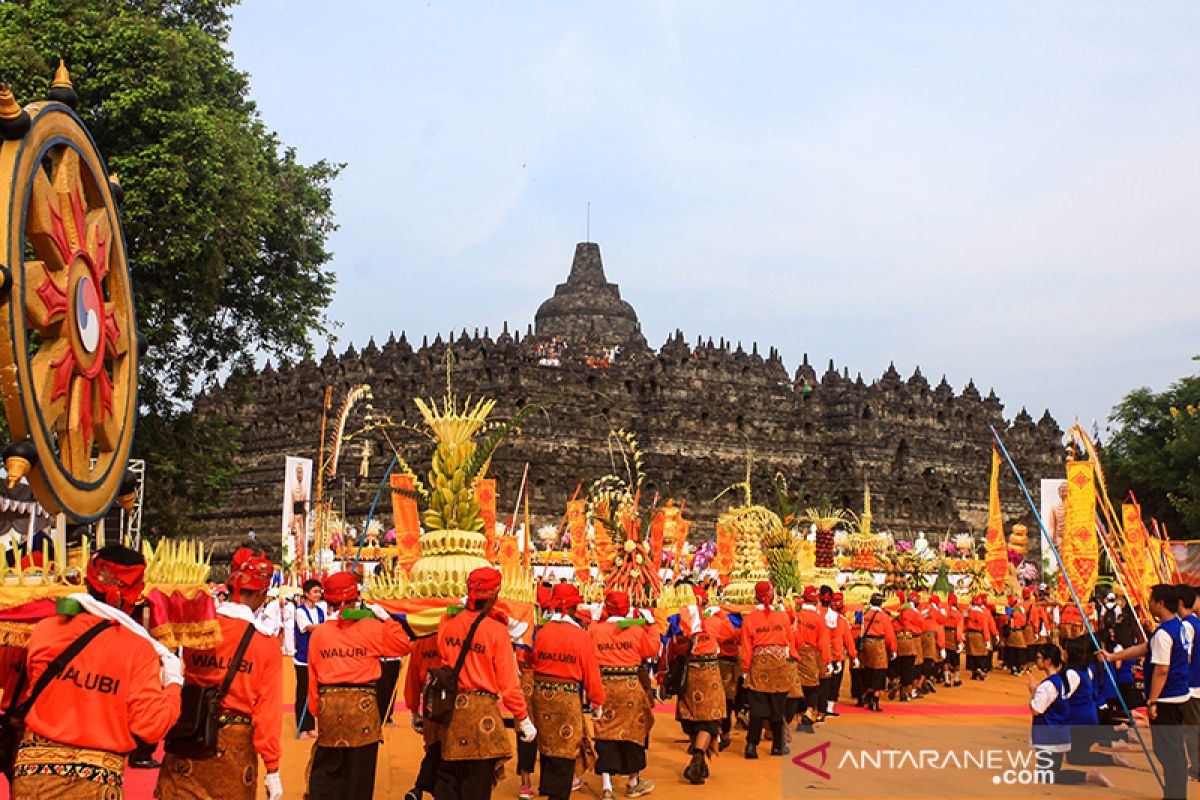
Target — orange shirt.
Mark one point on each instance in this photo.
(1020, 617)
(564, 650)
(623, 647)
(841, 641)
(766, 629)
(714, 636)
(954, 620)
(490, 666)
(109, 693)
(257, 689)
(911, 621)
(811, 631)
(348, 651)
(979, 620)
(424, 658)
(877, 622)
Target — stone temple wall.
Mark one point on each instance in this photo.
(696, 409)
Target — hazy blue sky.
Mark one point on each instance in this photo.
(1004, 191)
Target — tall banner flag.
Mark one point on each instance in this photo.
(657, 529)
(603, 537)
(485, 495)
(297, 505)
(407, 523)
(1137, 559)
(577, 527)
(995, 547)
(1080, 547)
(722, 562)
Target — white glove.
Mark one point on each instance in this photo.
(943, 653)
(379, 611)
(170, 669)
(528, 732)
(418, 724)
(960, 648)
(517, 628)
(829, 669)
(891, 656)
(597, 713)
(274, 786)
(854, 664)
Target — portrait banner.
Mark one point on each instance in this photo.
(297, 503)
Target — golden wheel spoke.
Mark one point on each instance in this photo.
(42, 369)
(40, 224)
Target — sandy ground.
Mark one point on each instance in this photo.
(976, 718)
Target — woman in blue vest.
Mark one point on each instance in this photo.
(310, 612)
(1050, 733)
(1083, 707)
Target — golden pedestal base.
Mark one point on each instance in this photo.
(447, 558)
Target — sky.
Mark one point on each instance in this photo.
(998, 191)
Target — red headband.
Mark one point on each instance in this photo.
(565, 596)
(483, 584)
(250, 571)
(810, 594)
(764, 592)
(120, 585)
(616, 604)
(341, 587)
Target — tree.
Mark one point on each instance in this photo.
(226, 229)
(1156, 453)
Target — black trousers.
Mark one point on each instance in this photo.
(556, 777)
(754, 731)
(1169, 729)
(427, 773)
(835, 684)
(343, 773)
(857, 684)
(907, 668)
(389, 673)
(1065, 776)
(619, 758)
(1081, 753)
(826, 693)
(307, 722)
(874, 679)
(1191, 737)
(527, 755)
(465, 780)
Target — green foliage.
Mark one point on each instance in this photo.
(1156, 453)
(225, 228)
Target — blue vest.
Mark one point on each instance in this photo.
(1194, 663)
(1082, 702)
(1052, 727)
(301, 656)
(1181, 650)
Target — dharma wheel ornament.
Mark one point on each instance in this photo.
(68, 347)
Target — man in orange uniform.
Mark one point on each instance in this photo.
(933, 643)
(701, 705)
(768, 656)
(729, 661)
(565, 668)
(879, 648)
(118, 687)
(623, 645)
(909, 626)
(252, 710)
(475, 744)
(343, 666)
(814, 660)
(980, 633)
(841, 645)
(423, 657)
(952, 627)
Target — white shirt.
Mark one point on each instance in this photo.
(289, 629)
(1044, 696)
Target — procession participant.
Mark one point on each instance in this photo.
(1038, 630)
(879, 647)
(12, 682)
(893, 667)
(1187, 601)
(814, 658)
(1049, 700)
(423, 657)
(701, 703)
(1014, 643)
(952, 630)
(115, 687)
(1168, 694)
(564, 670)
(730, 664)
(309, 612)
(908, 648)
(527, 751)
(768, 652)
(980, 632)
(933, 642)
(1082, 703)
(623, 644)
(251, 711)
(343, 664)
(1070, 625)
(841, 645)
(829, 616)
(474, 743)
